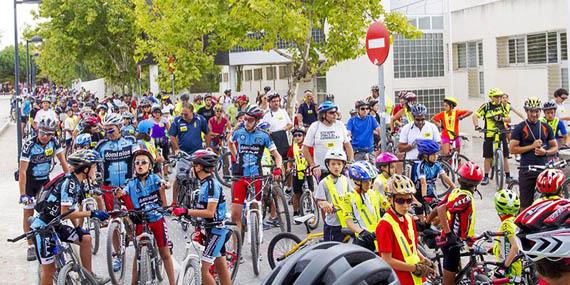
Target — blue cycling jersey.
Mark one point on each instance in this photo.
(362, 130)
(429, 171)
(40, 157)
(250, 147)
(211, 191)
(128, 130)
(146, 197)
(67, 192)
(117, 160)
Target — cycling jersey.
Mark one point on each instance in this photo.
(117, 160)
(128, 130)
(449, 122)
(557, 126)
(66, 192)
(211, 191)
(493, 114)
(502, 248)
(461, 212)
(250, 147)
(146, 197)
(39, 157)
(430, 172)
(189, 133)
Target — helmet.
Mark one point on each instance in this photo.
(207, 95)
(362, 171)
(128, 115)
(145, 127)
(409, 96)
(545, 230)
(198, 97)
(374, 88)
(427, 146)
(336, 154)
(204, 157)
(297, 130)
(184, 97)
(470, 173)
(386, 158)
(156, 108)
(360, 103)
(326, 106)
(272, 95)
(227, 91)
(507, 202)
(264, 126)
(45, 99)
(400, 184)
(451, 101)
(112, 119)
(165, 97)
(549, 181)
(532, 103)
(83, 158)
(332, 263)
(242, 98)
(353, 112)
(141, 150)
(372, 102)
(419, 110)
(90, 122)
(145, 102)
(47, 125)
(83, 140)
(266, 89)
(549, 105)
(495, 92)
(103, 106)
(254, 111)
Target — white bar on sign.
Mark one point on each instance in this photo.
(376, 43)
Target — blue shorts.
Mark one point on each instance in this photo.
(46, 243)
(333, 233)
(215, 245)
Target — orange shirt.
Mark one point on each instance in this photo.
(441, 118)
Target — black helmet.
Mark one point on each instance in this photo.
(333, 263)
(272, 95)
(360, 103)
(83, 158)
(298, 130)
(204, 157)
(266, 89)
(184, 97)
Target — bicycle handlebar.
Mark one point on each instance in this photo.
(487, 235)
(552, 165)
(47, 226)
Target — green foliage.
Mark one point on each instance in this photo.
(7, 63)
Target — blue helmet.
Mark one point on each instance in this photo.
(83, 140)
(427, 147)
(362, 171)
(264, 126)
(326, 106)
(145, 127)
(418, 110)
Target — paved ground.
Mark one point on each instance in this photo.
(14, 269)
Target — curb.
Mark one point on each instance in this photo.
(4, 127)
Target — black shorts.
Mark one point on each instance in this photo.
(333, 233)
(488, 147)
(45, 242)
(298, 184)
(527, 183)
(451, 258)
(33, 187)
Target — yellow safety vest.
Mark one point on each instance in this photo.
(409, 250)
(456, 193)
(300, 161)
(409, 115)
(337, 200)
(553, 124)
(450, 123)
(383, 199)
(368, 219)
(151, 148)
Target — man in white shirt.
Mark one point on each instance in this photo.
(45, 112)
(560, 96)
(418, 129)
(279, 122)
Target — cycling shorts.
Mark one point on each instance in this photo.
(215, 244)
(45, 242)
(239, 190)
(33, 187)
(108, 197)
(451, 258)
(446, 140)
(298, 184)
(159, 231)
(488, 147)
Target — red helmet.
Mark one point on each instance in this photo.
(90, 122)
(549, 181)
(470, 173)
(242, 98)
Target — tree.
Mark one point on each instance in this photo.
(7, 64)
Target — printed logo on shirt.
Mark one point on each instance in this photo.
(183, 128)
(427, 135)
(48, 151)
(330, 145)
(329, 135)
(310, 112)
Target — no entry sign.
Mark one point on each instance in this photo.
(377, 43)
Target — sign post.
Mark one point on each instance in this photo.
(377, 49)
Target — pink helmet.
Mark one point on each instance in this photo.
(386, 158)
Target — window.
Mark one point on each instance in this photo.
(437, 22)
(481, 83)
(536, 48)
(563, 47)
(422, 57)
(225, 77)
(552, 39)
(271, 73)
(431, 98)
(516, 50)
(424, 23)
(472, 54)
(469, 54)
(321, 80)
(258, 74)
(541, 48)
(564, 74)
(284, 71)
(480, 52)
(462, 55)
(247, 75)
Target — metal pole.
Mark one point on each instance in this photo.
(567, 46)
(28, 80)
(16, 83)
(172, 81)
(382, 103)
(450, 49)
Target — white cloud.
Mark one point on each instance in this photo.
(25, 18)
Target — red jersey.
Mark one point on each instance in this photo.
(446, 125)
(460, 210)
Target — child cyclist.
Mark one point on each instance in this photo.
(211, 206)
(457, 216)
(82, 141)
(146, 191)
(448, 121)
(362, 206)
(549, 184)
(505, 249)
(557, 125)
(330, 194)
(397, 235)
(385, 164)
(299, 167)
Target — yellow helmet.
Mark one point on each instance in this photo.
(218, 107)
(451, 100)
(532, 103)
(400, 184)
(493, 92)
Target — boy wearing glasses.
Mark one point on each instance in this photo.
(362, 128)
(296, 153)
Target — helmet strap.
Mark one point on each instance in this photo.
(394, 209)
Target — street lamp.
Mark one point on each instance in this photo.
(35, 39)
(17, 71)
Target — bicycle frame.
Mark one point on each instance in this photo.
(250, 200)
(303, 243)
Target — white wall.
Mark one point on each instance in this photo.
(96, 86)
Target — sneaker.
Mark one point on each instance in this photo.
(31, 256)
(117, 264)
(274, 222)
(267, 225)
(241, 260)
(100, 279)
(485, 181)
(510, 179)
(295, 216)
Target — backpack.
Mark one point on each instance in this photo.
(47, 189)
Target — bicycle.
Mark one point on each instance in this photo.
(441, 188)
(561, 164)
(223, 166)
(185, 180)
(454, 159)
(120, 233)
(93, 225)
(307, 201)
(497, 163)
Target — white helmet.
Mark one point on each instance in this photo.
(112, 119)
(335, 153)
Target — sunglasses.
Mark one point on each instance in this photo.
(46, 134)
(364, 109)
(297, 135)
(331, 112)
(141, 162)
(218, 111)
(249, 120)
(402, 201)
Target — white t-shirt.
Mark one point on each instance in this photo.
(322, 138)
(278, 120)
(561, 111)
(69, 124)
(322, 194)
(410, 133)
(42, 114)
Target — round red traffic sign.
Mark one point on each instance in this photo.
(377, 43)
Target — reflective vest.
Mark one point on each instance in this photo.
(553, 124)
(368, 215)
(300, 161)
(336, 199)
(409, 115)
(380, 179)
(456, 193)
(450, 123)
(409, 250)
(151, 148)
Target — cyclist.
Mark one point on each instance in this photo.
(561, 95)
(63, 195)
(362, 128)
(457, 216)
(159, 135)
(448, 121)
(397, 235)
(183, 100)
(102, 110)
(280, 123)
(495, 115)
(326, 134)
(198, 103)
(44, 113)
(307, 111)
(218, 126)
(402, 113)
(144, 141)
(146, 191)
(557, 125)
(418, 129)
(144, 110)
(549, 184)
(226, 99)
(298, 168)
(247, 144)
(362, 207)
(534, 141)
(128, 128)
(34, 167)
(505, 248)
(207, 111)
(211, 206)
(70, 123)
(83, 141)
(330, 194)
(385, 164)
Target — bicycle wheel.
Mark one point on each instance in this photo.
(281, 208)
(514, 186)
(499, 169)
(157, 265)
(223, 167)
(279, 246)
(112, 254)
(94, 227)
(254, 236)
(233, 252)
(144, 270)
(192, 272)
(69, 274)
(307, 205)
(442, 188)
